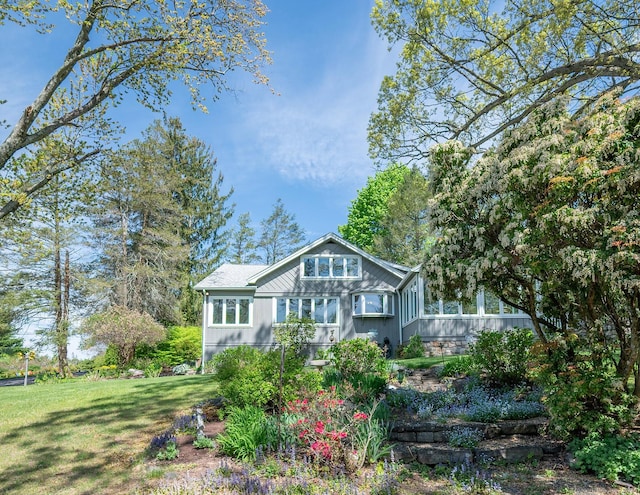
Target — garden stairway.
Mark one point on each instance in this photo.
(426, 442)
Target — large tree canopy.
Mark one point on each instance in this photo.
(470, 70)
(369, 208)
(550, 221)
(125, 46)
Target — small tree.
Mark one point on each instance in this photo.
(124, 329)
(295, 333)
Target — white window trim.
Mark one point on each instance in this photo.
(479, 314)
(388, 300)
(224, 299)
(313, 309)
(331, 257)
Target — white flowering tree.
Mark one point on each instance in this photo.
(550, 221)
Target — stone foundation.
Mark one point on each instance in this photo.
(445, 347)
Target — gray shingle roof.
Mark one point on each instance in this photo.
(229, 276)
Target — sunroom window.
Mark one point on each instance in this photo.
(323, 266)
(323, 310)
(372, 304)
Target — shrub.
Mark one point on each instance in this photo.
(503, 357)
(358, 356)
(153, 370)
(248, 376)
(182, 345)
(610, 457)
(246, 430)
(582, 392)
(181, 369)
(459, 366)
(414, 349)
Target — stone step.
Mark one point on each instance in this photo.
(514, 449)
(410, 430)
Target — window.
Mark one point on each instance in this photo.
(230, 311)
(410, 302)
(372, 304)
(323, 310)
(493, 305)
(322, 266)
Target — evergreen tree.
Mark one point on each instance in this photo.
(281, 235)
(243, 247)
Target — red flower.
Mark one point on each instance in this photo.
(319, 427)
(360, 416)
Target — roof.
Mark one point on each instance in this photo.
(397, 270)
(230, 276)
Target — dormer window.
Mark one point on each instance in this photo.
(334, 266)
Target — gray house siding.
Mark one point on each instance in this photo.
(286, 281)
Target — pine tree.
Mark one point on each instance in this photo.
(281, 235)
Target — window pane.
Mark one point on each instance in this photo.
(353, 267)
(306, 308)
(338, 267)
(318, 312)
(332, 310)
(323, 267)
(293, 307)
(357, 304)
(431, 305)
(217, 311)
(243, 317)
(231, 312)
(450, 307)
(374, 304)
(309, 267)
(471, 307)
(281, 310)
(491, 304)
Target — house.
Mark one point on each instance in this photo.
(347, 291)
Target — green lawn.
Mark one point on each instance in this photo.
(83, 437)
(424, 362)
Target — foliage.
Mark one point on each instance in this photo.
(357, 356)
(152, 370)
(242, 243)
(334, 433)
(610, 456)
(124, 329)
(295, 333)
(249, 376)
(204, 443)
(159, 222)
(369, 208)
(183, 344)
(470, 70)
(246, 430)
(459, 366)
(583, 393)
(169, 452)
(473, 479)
(404, 231)
(547, 221)
(181, 369)
(141, 49)
(281, 235)
(465, 437)
(414, 349)
(502, 356)
(474, 403)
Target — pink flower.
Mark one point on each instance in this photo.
(319, 427)
(360, 416)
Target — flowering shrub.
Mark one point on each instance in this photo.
(333, 433)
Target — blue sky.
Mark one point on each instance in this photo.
(306, 144)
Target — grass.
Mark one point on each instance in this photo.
(81, 437)
(424, 362)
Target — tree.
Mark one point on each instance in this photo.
(548, 221)
(281, 234)
(160, 221)
(243, 245)
(470, 70)
(369, 208)
(124, 329)
(404, 233)
(128, 47)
